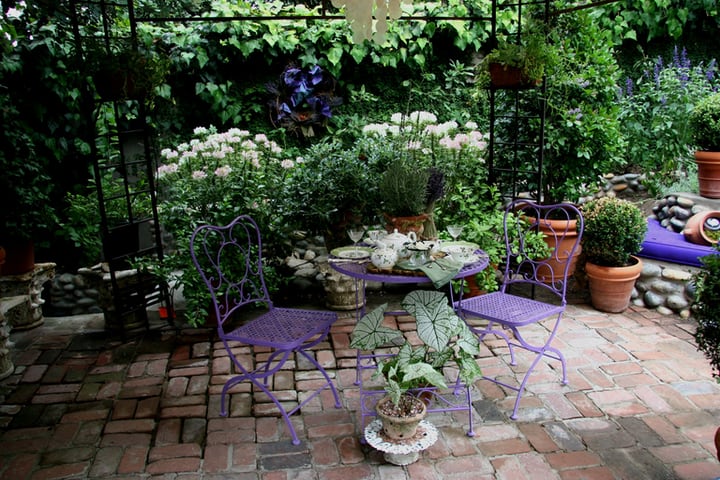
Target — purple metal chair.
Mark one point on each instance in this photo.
(532, 290)
(229, 259)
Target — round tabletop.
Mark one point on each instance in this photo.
(359, 269)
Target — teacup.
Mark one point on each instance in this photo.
(461, 253)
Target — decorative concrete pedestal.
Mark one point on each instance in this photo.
(401, 452)
(133, 284)
(30, 286)
(341, 290)
(6, 364)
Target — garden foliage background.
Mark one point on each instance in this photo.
(219, 72)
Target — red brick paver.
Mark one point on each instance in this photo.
(639, 397)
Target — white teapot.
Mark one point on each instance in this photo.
(383, 256)
(398, 241)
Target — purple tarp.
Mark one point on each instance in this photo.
(666, 245)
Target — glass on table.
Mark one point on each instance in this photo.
(455, 231)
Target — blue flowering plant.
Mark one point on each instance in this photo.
(212, 179)
(302, 99)
(655, 113)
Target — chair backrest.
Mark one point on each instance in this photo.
(229, 259)
(562, 226)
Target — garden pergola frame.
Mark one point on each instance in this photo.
(132, 169)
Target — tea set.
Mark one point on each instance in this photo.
(396, 248)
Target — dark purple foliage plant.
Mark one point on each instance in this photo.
(302, 99)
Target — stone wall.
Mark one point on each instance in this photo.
(665, 287)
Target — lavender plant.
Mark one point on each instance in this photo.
(655, 110)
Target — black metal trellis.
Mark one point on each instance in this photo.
(124, 164)
(122, 146)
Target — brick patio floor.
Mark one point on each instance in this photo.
(640, 404)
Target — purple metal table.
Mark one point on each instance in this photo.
(359, 271)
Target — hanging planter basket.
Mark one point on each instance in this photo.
(503, 76)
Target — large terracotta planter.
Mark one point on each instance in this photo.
(400, 428)
(406, 225)
(708, 164)
(611, 287)
(695, 227)
(561, 252)
(19, 256)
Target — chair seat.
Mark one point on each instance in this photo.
(283, 328)
(509, 309)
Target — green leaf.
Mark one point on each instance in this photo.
(334, 55)
(369, 333)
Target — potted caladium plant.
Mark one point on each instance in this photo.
(445, 339)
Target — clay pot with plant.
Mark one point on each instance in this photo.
(704, 124)
(124, 72)
(403, 194)
(614, 231)
(518, 65)
(445, 339)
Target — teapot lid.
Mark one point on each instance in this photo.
(395, 236)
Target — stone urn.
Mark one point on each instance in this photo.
(340, 290)
(6, 364)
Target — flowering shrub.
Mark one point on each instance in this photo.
(457, 152)
(655, 112)
(211, 180)
(339, 183)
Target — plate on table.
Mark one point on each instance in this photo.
(352, 253)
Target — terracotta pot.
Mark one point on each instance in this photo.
(611, 287)
(695, 227)
(560, 252)
(708, 164)
(400, 428)
(473, 289)
(19, 257)
(502, 76)
(406, 225)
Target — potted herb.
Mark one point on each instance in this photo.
(404, 195)
(517, 65)
(124, 72)
(614, 231)
(704, 123)
(445, 338)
